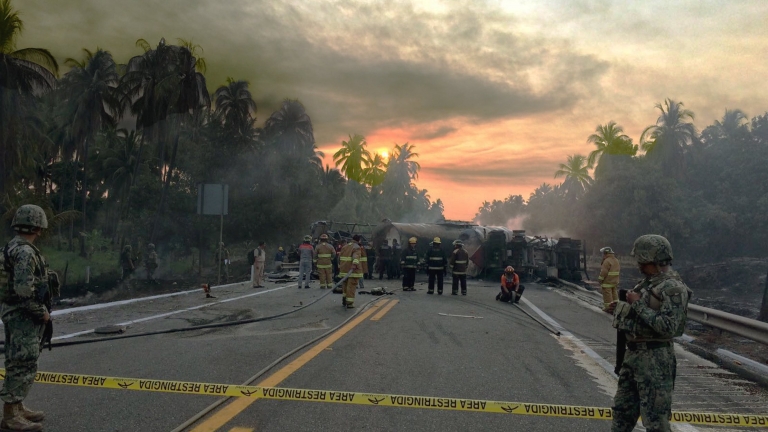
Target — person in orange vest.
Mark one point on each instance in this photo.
(324, 254)
(349, 263)
(609, 277)
(511, 290)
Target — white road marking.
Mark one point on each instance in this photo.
(163, 315)
(680, 427)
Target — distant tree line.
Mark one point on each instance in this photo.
(119, 149)
(706, 191)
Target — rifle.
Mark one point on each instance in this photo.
(621, 339)
(45, 293)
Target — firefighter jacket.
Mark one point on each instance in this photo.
(459, 261)
(410, 258)
(609, 272)
(349, 259)
(324, 254)
(436, 259)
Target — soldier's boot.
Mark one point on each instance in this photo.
(33, 416)
(14, 421)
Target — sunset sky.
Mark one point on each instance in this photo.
(494, 94)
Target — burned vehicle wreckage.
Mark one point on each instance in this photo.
(490, 248)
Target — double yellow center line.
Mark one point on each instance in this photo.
(231, 410)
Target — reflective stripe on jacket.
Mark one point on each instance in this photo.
(410, 259)
(436, 259)
(609, 272)
(459, 261)
(324, 254)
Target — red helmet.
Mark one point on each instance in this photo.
(509, 269)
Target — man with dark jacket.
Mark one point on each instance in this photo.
(409, 262)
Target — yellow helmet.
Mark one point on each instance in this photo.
(412, 240)
(436, 240)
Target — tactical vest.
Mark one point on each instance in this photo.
(8, 292)
(651, 293)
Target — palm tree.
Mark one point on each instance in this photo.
(353, 157)
(235, 105)
(289, 129)
(731, 124)
(23, 72)
(669, 138)
(609, 139)
(576, 172)
(373, 173)
(402, 156)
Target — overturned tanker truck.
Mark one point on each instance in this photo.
(491, 249)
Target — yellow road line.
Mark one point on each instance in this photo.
(234, 408)
(384, 310)
(241, 429)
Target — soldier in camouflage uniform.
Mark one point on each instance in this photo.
(151, 263)
(24, 282)
(654, 313)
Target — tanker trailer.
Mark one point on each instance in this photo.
(424, 233)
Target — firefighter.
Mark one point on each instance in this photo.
(609, 277)
(350, 266)
(363, 262)
(409, 262)
(436, 266)
(511, 290)
(458, 262)
(337, 264)
(324, 255)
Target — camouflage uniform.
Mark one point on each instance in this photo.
(23, 279)
(647, 376)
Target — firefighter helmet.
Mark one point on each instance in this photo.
(29, 216)
(307, 238)
(509, 269)
(436, 240)
(323, 236)
(652, 248)
(412, 240)
(606, 250)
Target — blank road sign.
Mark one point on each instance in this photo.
(212, 199)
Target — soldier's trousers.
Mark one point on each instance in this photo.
(350, 288)
(646, 380)
(435, 275)
(305, 271)
(326, 277)
(459, 280)
(22, 348)
(409, 277)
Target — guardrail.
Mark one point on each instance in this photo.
(736, 324)
(746, 327)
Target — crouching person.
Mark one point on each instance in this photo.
(511, 290)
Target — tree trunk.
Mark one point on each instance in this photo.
(764, 307)
(71, 247)
(61, 203)
(166, 184)
(85, 196)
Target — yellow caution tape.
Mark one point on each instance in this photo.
(378, 399)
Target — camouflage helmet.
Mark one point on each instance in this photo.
(652, 248)
(29, 216)
(127, 248)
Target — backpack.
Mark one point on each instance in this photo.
(251, 256)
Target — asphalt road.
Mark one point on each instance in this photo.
(411, 349)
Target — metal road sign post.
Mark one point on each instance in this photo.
(213, 199)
